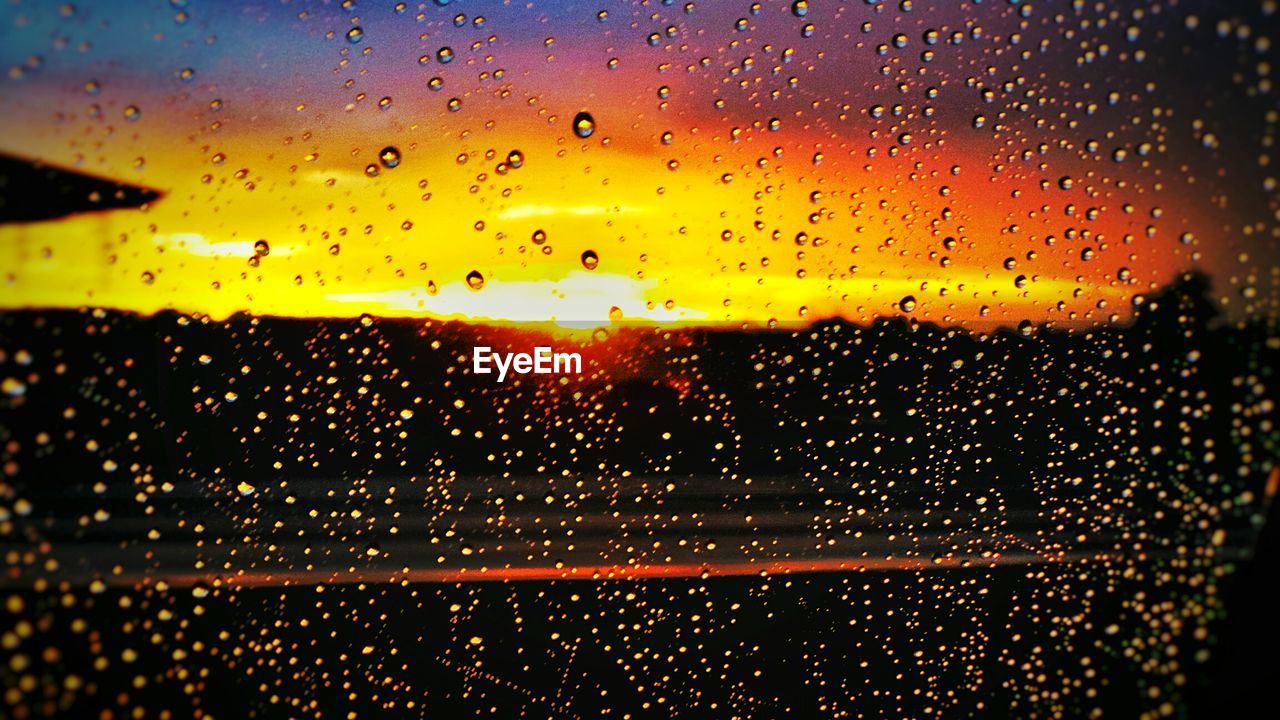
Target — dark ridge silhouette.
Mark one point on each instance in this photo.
(31, 191)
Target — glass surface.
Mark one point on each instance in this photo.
(554, 359)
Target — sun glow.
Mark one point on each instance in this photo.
(578, 298)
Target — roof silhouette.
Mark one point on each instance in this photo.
(31, 191)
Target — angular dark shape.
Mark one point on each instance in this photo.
(31, 191)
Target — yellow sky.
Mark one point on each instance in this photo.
(699, 230)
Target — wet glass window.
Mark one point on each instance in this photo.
(625, 360)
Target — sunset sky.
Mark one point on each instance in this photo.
(971, 167)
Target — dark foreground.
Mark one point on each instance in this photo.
(281, 518)
(1000, 642)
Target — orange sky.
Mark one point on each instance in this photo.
(785, 191)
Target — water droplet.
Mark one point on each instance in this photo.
(13, 387)
(475, 280)
(584, 125)
(590, 260)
